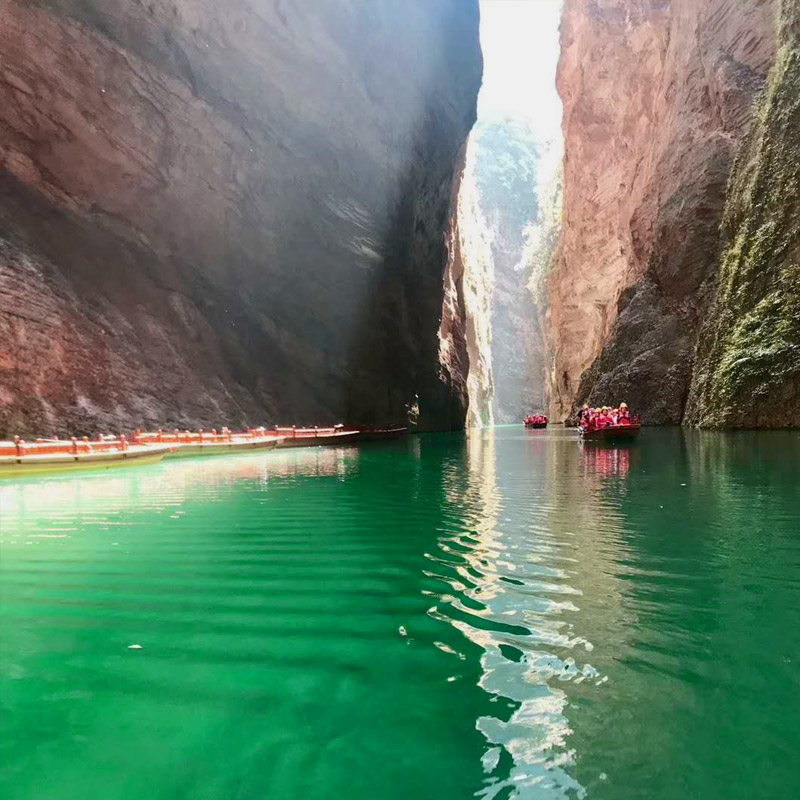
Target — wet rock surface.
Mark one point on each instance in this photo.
(228, 213)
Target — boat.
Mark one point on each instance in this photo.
(612, 433)
(380, 434)
(211, 443)
(19, 458)
(335, 436)
(338, 435)
(535, 421)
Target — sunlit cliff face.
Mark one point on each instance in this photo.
(657, 99)
(468, 296)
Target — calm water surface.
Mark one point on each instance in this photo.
(508, 615)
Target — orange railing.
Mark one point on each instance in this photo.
(198, 437)
(299, 433)
(106, 444)
(74, 446)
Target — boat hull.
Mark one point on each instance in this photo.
(381, 434)
(535, 425)
(190, 449)
(614, 433)
(19, 466)
(346, 438)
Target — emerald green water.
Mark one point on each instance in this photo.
(508, 615)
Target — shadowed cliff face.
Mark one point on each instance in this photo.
(228, 212)
(657, 97)
(748, 367)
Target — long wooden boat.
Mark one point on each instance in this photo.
(612, 433)
(211, 443)
(338, 435)
(379, 434)
(535, 424)
(318, 437)
(19, 458)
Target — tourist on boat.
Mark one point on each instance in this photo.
(583, 414)
(537, 420)
(593, 419)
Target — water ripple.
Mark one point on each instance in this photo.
(508, 615)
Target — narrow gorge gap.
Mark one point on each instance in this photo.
(509, 210)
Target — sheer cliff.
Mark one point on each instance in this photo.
(465, 333)
(658, 97)
(748, 367)
(507, 174)
(229, 212)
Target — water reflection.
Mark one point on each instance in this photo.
(508, 615)
(515, 593)
(605, 462)
(57, 506)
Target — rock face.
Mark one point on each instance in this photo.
(658, 95)
(228, 212)
(465, 334)
(506, 173)
(748, 368)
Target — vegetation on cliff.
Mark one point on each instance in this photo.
(658, 98)
(748, 362)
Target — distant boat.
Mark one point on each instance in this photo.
(19, 458)
(535, 421)
(612, 433)
(204, 443)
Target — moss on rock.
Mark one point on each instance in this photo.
(747, 372)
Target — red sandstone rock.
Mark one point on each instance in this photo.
(657, 96)
(227, 211)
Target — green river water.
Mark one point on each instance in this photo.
(504, 615)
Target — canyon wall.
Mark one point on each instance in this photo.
(748, 360)
(507, 175)
(229, 212)
(658, 97)
(465, 333)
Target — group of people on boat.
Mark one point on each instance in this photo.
(594, 419)
(535, 420)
